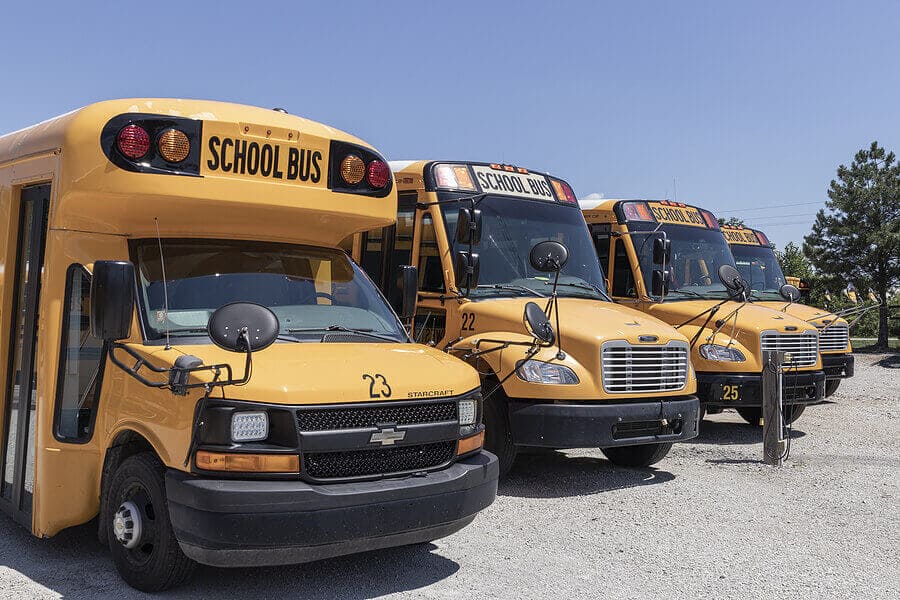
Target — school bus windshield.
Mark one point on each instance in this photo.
(311, 290)
(697, 254)
(510, 228)
(759, 266)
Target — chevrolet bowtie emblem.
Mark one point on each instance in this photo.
(387, 437)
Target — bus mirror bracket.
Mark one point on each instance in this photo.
(468, 226)
(409, 288)
(239, 327)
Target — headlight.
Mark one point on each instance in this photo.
(721, 353)
(249, 426)
(467, 411)
(535, 371)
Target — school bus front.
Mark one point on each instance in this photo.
(755, 258)
(606, 376)
(196, 361)
(664, 259)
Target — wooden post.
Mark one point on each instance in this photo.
(773, 443)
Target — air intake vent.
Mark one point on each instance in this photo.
(801, 349)
(629, 369)
(834, 337)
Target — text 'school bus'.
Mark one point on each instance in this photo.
(498, 250)
(191, 357)
(670, 260)
(756, 260)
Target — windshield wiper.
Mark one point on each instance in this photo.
(686, 293)
(365, 332)
(584, 286)
(510, 286)
(189, 330)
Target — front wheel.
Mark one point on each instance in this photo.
(642, 455)
(831, 386)
(497, 432)
(140, 536)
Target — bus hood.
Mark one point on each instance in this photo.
(327, 373)
(810, 314)
(581, 321)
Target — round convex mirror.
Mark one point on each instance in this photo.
(226, 325)
(548, 256)
(537, 323)
(731, 278)
(789, 292)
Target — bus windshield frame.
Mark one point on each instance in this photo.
(289, 279)
(511, 226)
(753, 260)
(697, 254)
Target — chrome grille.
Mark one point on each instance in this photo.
(629, 368)
(801, 349)
(834, 337)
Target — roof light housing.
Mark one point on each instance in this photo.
(563, 191)
(355, 169)
(711, 221)
(636, 211)
(150, 143)
(455, 177)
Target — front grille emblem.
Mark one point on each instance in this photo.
(647, 338)
(387, 437)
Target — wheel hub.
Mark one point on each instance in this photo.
(127, 524)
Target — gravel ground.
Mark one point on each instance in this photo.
(710, 521)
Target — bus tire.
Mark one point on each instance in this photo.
(753, 414)
(136, 508)
(831, 386)
(642, 455)
(497, 432)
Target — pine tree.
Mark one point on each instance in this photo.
(856, 238)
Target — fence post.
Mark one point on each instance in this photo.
(773, 443)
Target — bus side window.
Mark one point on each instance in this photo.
(372, 257)
(430, 325)
(81, 363)
(623, 280)
(401, 254)
(431, 274)
(601, 244)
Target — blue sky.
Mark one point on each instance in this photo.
(737, 107)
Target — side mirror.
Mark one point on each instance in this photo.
(409, 289)
(732, 279)
(112, 299)
(789, 293)
(549, 256)
(468, 226)
(660, 282)
(466, 267)
(537, 323)
(243, 327)
(662, 250)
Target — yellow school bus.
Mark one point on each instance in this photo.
(508, 281)
(756, 260)
(670, 260)
(191, 357)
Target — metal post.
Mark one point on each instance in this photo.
(773, 442)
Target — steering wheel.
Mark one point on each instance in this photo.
(325, 295)
(702, 280)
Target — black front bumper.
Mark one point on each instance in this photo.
(717, 389)
(226, 522)
(603, 424)
(838, 366)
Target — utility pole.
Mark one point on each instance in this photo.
(772, 376)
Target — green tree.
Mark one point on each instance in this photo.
(856, 237)
(732, 222)
(794, 263)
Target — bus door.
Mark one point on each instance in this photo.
(383, 251)
(431, 322)
(20, 328)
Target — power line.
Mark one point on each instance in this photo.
(740, 210)
(782, 216)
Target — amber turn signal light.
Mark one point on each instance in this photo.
(248, 463)
(473, 442)
(353, 169)
(174, 145)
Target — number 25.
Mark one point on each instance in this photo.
(729, 392)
